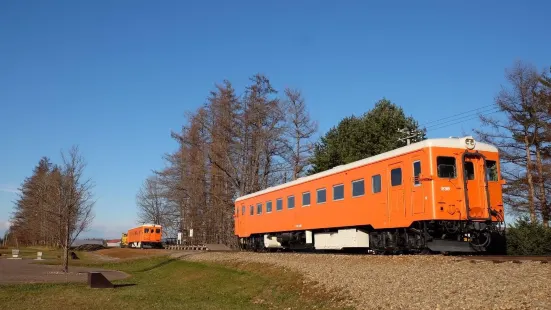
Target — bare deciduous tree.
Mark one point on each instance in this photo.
(300, 129)
(521, 139)
(75, 199)
(154, 206)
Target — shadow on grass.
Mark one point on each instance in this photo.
(161, 264)
(124, 285)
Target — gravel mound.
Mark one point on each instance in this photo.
(414, 282)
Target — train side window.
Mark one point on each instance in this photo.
(446, 167)
(305, 199)
(252, 210)
(290, 202)
(279, 204)
(396, 177)
(269, 207)
(259, 209)
(158, 230)
(376, 183)
(358, 188)
(416, 172)
(469, 170)
(243, 210)
(338, 192)
(147, 230)
(491, 170)
(321, 195)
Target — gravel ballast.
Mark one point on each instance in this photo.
(413, 282)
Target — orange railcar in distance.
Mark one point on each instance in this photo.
(145, 236)
(441, 195)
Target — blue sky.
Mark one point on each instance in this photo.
(115, 77)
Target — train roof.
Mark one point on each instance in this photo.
(147, 225)
(452, 142)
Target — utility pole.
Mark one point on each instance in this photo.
(409, 135)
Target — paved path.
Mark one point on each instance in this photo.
(24, 271)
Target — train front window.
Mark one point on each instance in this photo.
(491, 170)
(446, 167)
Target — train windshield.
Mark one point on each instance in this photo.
(446, 167)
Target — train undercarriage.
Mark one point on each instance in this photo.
(424, 237)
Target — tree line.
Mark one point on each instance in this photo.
(54, 205)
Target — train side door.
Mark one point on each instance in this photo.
(147, 235)
(396, 193)
(417, 194)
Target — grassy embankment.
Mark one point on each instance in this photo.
(165, 283)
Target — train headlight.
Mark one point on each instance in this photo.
(470, 143)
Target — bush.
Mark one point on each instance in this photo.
(525, 238)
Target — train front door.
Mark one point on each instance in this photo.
(396, 194)
(476, 186)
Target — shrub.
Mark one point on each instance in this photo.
(525, 238)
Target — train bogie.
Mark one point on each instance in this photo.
(441, 195)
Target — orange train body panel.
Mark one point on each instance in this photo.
(147, 233)
(436, 179)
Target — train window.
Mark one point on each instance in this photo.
(469, 170)
(358, 188)
(259, 208)
(416, 172)
(290, 202)
(268, 207)
(279, 204)
(252, 210)
(147, 230)
(491, 170)
(243, 210)
(376, 183)
(321, 195)
(305, 199)
(396, 176)
(446, 167)
(158, 230)
(338, 192)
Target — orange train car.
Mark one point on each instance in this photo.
(145, 236)
(437, 195)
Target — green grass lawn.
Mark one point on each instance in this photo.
(164, 283)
